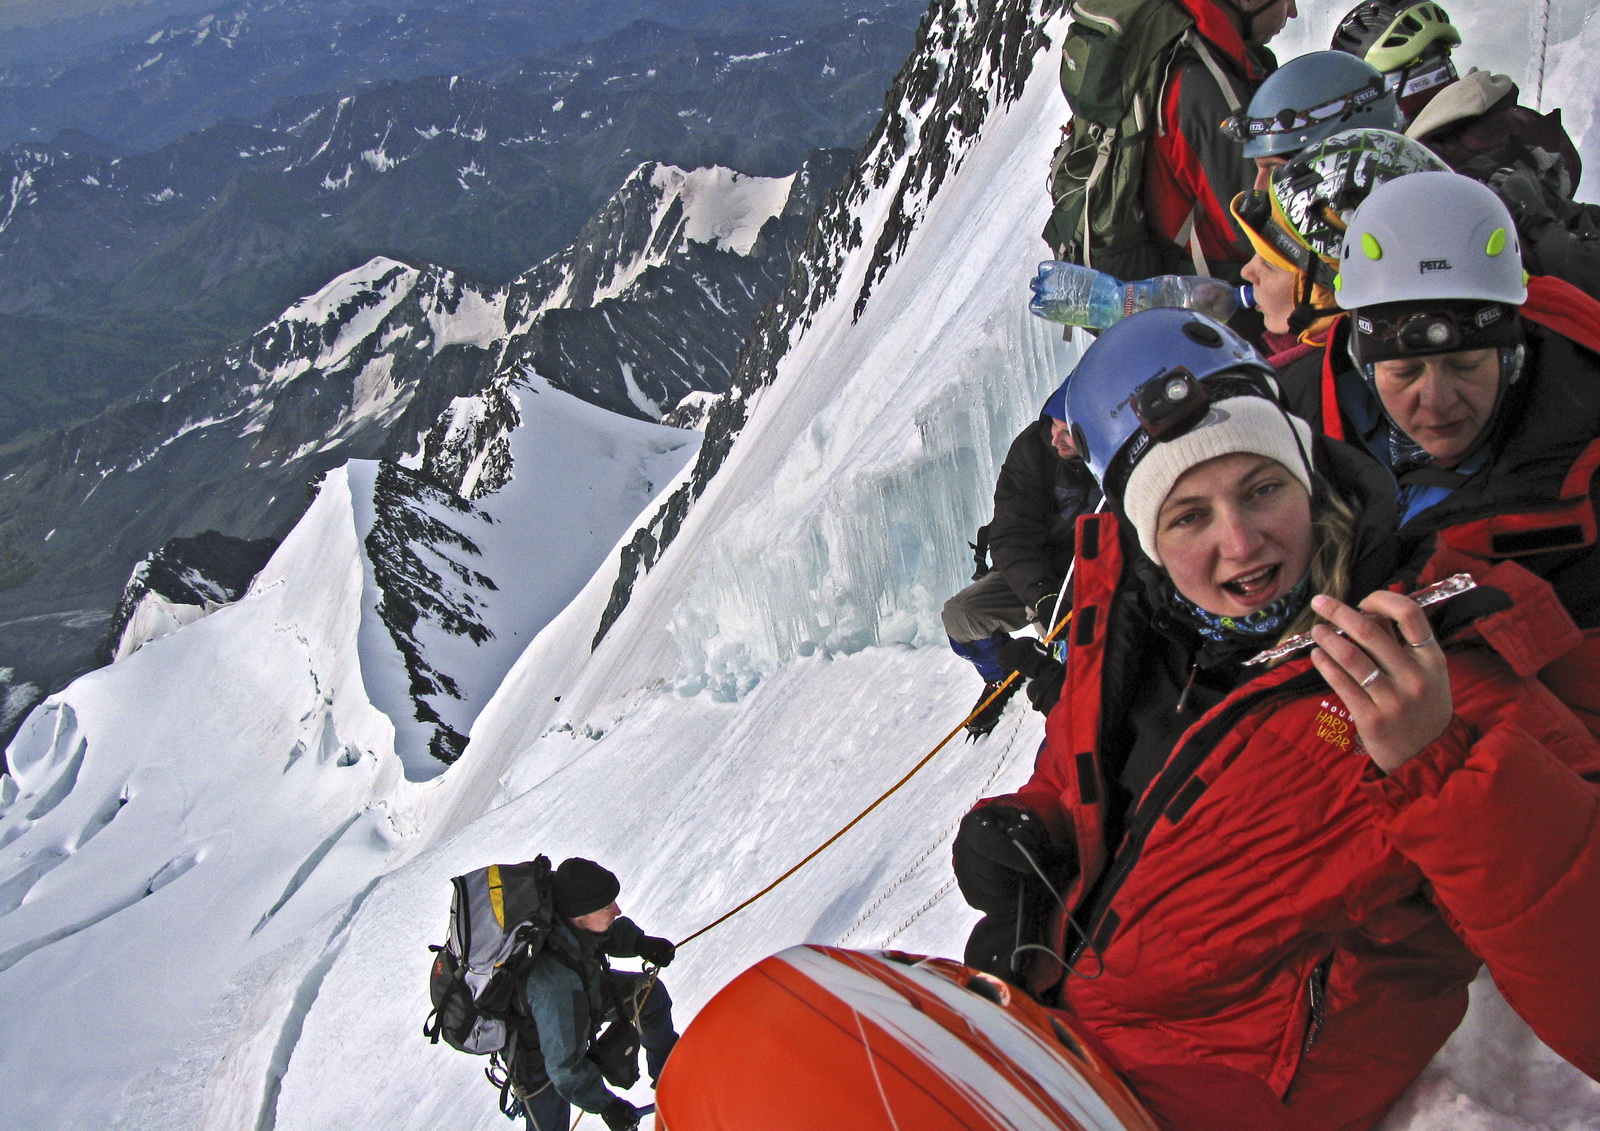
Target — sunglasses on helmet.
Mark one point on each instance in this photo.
(1242, 127)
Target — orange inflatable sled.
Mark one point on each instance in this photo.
(822, 1038)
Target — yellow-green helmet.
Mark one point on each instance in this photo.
(1392, 34)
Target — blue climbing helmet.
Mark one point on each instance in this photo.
(1056, 407)
(1165, 391)
(1114, 401)
(1311, 98)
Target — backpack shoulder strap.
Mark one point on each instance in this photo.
(1197, 43)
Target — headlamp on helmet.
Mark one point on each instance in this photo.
(1383, 333)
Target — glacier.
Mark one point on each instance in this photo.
(234, 838)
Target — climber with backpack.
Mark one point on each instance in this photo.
(524, 978)
(1142, 178)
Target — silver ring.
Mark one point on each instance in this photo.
(1420, 643)
(1371, 679)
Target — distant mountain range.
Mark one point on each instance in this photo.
(652, 302)
(141, 75)
(117, 263)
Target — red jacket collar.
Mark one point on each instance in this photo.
(1219, 25)
(1558, 305)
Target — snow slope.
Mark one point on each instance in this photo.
(180, 822)
(768, 680)
(779, 666)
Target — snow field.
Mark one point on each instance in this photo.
(190, 827)
(698, 805)
(174, 811)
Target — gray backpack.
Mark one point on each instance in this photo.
(500, 920)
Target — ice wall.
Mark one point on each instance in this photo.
(836, 552)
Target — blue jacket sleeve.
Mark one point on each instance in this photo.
(560, 1010)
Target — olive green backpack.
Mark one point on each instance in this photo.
(1115, 63)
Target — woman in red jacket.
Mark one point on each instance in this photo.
(1296, 869)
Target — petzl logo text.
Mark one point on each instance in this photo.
(1436, 265)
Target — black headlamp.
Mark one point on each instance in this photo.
(1243, 127)
(1383, 333)
(1428, 333)
(1171, 404)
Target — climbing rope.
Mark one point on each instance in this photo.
(890, 792)
(861, 816)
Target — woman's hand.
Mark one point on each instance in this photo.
(1389, 671)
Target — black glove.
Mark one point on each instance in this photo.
(656, 951)
(990, 870)
(1045, 608)
(1524, 196)
(620, 1115)
(1045, 674)
(994, 831)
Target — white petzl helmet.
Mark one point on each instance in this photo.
(1431, 236)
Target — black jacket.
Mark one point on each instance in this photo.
(564, 995)
(1037, 499)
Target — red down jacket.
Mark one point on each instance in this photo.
(1278, 906)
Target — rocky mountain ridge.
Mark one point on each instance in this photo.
(651, 303)
(963, 65)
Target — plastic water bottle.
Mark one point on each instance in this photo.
(1081, 296)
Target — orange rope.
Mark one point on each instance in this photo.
(890, 792)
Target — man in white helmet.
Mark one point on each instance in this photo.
(1484, 406)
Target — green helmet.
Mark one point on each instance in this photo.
(1315, 192)
(1392, 34)
(1311, 98)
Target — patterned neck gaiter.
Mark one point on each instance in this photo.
(1250, 629)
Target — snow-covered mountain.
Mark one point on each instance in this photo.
(184, 580)
(650, 303)
(226, 835)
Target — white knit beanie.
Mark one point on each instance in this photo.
(1238, 424)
